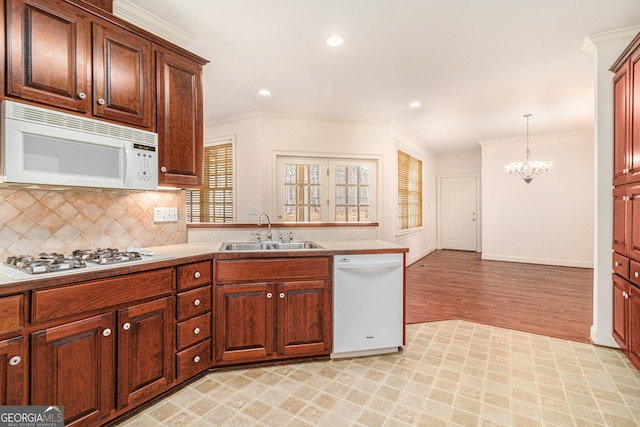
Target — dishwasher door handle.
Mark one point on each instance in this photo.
(369, 266)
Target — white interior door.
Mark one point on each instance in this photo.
(459, 214)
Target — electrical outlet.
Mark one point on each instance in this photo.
(516, 246)
(165, 214)
(253, 210)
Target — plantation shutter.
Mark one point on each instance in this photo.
(214, 202)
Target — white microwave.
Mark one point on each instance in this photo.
(42, 147)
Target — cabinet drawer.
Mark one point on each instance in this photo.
(100, 294)
(620, 265)
(196, 301)
(11, 313)
(194, 359)
(196, 274)
(634, 272)
(193, 330)
(283, 268)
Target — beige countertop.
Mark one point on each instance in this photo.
(186, 250)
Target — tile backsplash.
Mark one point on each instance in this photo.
(34, 221)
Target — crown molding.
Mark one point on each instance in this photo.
(622, 35)
(138, 16)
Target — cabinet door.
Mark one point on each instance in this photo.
(304, 318)
(620, 311)
(244, 328)
(633, 222)
(179, 121)
(621, 117)
(12, 372)
(634, 116)
(47, 53)
(621, 218)
(145, 350)
(122, 83)
(634, 326)
(73, 365)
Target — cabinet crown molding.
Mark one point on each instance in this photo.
(138, 16)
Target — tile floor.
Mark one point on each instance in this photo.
(450, 373)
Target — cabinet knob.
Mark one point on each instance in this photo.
(196, 302)
(126, 326)
(269, 294)
(616, 263)
(82, 95)
(106, 332)
(196, 275)
(15, 360)
(625, 294)
(281, 295)
(196, 359)
(636, 274)
(163, 169)
(101, 101)
(196, 331)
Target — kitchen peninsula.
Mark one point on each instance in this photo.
(123, 335)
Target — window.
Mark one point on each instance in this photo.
(409, 192)
(214, 202)
(326, 190)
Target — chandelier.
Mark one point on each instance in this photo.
(530, 168)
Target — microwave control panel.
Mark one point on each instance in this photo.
(145, 165)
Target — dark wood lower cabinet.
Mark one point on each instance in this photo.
(83, 365)
(12, 371)
(145, 350)
(272, 320)
(634, 326)
(72, 366)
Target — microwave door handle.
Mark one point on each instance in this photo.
(128, 165)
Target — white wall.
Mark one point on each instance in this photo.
(459, 163)
(259, 137)
(551, 219)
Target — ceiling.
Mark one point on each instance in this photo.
(475, 65)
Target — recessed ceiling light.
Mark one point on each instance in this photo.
(415, 104)
(264, 92)
(334, 41)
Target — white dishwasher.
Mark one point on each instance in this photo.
(368, 302)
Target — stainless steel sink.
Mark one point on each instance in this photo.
(268, 246)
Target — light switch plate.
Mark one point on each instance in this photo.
(165, 214)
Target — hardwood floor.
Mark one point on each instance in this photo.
(541, 299)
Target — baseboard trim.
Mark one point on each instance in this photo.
(543, 261)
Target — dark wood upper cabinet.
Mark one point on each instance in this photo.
(47, 53)
(179, 121)
(122, 83)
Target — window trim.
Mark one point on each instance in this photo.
(376, 160)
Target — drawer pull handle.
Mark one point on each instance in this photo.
(196, 331)
(196, 302)
(15, 360)
(106, 332)
(126, 326)
(196, 359)
(197, 275)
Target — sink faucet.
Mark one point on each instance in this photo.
(268, 222)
